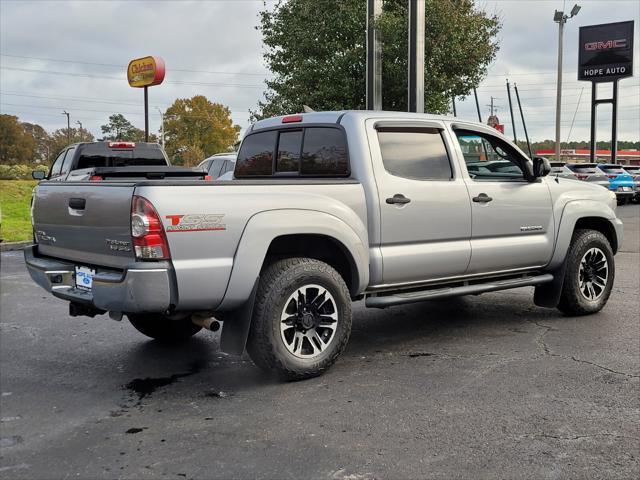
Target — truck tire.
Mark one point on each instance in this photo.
(590, 273)
(159, 327)
(301, 318)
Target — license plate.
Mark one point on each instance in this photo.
(84, 277)
(626, 189)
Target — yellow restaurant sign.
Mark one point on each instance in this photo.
(145, 72)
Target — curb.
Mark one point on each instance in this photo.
(12, 246)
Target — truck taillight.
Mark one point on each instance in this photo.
(147, 232)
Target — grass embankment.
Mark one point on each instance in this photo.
(15, 200)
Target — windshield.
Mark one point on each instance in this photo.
(612, 169)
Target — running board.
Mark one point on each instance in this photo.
(382, 301)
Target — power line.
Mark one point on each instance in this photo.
(113, 65)
(93, 100)
(121, 79)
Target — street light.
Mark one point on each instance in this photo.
(64, 112)
(561, 18)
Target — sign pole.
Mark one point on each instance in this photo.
(374, 57)
(614, 122)
(146, 114)
(416, 56)
(594, 106)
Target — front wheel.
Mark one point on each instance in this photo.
(589, 275)
(159, 327)
(301, 319)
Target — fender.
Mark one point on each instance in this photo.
(264, 227)
(548, 294)
(572, 212)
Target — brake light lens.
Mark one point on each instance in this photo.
(611, 175)
(122, 144)
(147, 232)
(292, 119)
(582, 176)
(95, 178)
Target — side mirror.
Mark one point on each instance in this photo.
(541, 167)
(39, 174)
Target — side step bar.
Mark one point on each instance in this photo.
(383, 301)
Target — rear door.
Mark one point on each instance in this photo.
(512, 224)
(89, 224)
(424, 206)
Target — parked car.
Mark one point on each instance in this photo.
(560, 169)
(219, 164)
(326, 208)
(77, 161)
(620, 181)
(589, 172)
(634, 171)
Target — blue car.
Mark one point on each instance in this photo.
(620, 181)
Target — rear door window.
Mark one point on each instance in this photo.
(419, 154)
(324, 152)
(310, 151)
(255, 158)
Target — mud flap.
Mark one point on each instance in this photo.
(236, 325)
(548, 294)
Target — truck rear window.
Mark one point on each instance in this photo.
(120, 158)
(309, 151)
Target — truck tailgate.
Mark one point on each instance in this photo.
(86, 223)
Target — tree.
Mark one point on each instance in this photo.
(196, 128)
(58, 140)
(41, 141)
(16, 145)
(317, 49)
(118, 128)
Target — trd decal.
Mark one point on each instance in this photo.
(194, 223)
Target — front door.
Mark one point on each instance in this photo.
(512, 219)
(425, 212)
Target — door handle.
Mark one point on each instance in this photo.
(398, 198)
(482, 198)
(77, 203)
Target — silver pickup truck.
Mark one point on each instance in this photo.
(325, 208)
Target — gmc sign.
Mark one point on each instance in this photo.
(606, 52)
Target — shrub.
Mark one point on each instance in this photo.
(19, 172)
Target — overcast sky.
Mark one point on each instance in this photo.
(72, 55)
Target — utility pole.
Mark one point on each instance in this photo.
(161, 127)
(491, 105)
(453, 104)
(560, 18)
(416, 56)
(64, 112)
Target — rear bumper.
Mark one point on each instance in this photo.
(139, 288)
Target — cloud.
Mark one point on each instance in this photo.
(220, 36)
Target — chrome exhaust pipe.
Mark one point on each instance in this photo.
(205, 320)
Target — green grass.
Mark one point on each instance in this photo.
(15, 200)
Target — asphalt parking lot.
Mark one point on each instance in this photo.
(481, 387)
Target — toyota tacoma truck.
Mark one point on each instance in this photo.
(325, 208)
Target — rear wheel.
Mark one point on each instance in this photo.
(301, 319)
(589, 275)
(159, 327)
